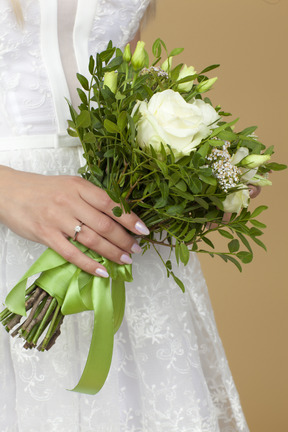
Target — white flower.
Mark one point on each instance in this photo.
(240, 154)
(259, 180)
(236, 201)
(168, 119)
(246, 173)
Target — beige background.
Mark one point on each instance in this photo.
(249, 39)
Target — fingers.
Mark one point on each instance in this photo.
(99, 199)
(254, 191)
(73, 255)
(104, 247)
(102, 225)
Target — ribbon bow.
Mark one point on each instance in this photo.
(77, 291)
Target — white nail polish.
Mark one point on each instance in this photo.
(141, 228)
(102, 273)
(136, 248)
(126, 259)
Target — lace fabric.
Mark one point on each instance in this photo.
(169, 371)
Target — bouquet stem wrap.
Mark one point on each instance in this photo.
(77, 291)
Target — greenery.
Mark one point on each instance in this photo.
(178, 199)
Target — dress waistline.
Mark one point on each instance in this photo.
(38, 142)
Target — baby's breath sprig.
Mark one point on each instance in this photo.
(227, 174)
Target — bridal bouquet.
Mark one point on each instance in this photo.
(154, 142)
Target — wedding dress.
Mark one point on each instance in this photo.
(169, 372)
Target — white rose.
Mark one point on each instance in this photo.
(168, 119)
(236, 201)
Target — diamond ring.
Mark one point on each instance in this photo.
(77, 230)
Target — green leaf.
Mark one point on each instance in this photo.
(83, 81)
(178, 281)
(216, 201)
(111, 127)
(113, 196)
(209, 68)
(114, 64)
(245, 257)
(225, 234)
(257, 224)
(174, 74)
(208, 242)
(209, 180)
(176, 51)
(259, 243)
(223, 127)
(190, 235)
(255, 232)
(184, 253)
(244, 241)
(215, 142)
(168, 265)
(202, 202)
(163, 167)
(249, 130)
(122, 120)
(233, 245)
(203, 150)
(82, 96)
(227, 136)
(181, 185)
(117, 211)
(109, 153)
(156, 48)
(234, 261)
(89, 138)
(275, 166)
(83, 119)
(72, 133)
(91, 65)
(258, 210)
(195, 184)
(107, 54)
(176, 209)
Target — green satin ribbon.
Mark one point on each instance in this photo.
(77, 291)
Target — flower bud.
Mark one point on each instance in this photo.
(206, 85)
(139, 56)
(110, 80)
(184, 72)
(127, 53)
(255, 160)
(167, 64)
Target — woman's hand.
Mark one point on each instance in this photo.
(46, 209)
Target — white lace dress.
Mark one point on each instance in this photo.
(169, 372)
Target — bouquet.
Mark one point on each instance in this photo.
(154, 142)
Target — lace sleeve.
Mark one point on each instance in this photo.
(119, 24)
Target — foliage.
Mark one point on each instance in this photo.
(177, 199)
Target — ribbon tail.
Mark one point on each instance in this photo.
(118, 298)
(101, 347)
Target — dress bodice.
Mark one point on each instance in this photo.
(39, 60)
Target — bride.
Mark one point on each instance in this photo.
(169, 372)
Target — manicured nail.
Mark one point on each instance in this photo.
(141, 228)
(102, 273)
(126, 259)
(136, 248)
